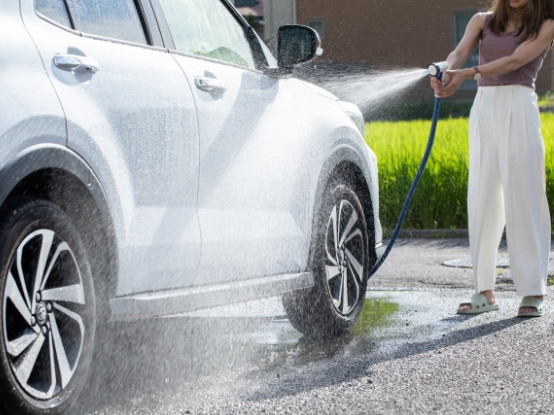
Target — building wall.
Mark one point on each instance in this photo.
(277, 13)
(386, 34)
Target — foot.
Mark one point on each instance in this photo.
(489, 295)
(526, 310)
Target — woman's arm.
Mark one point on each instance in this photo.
(523, 54)
(463, 51)
(469, 42)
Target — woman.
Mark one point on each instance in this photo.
(506, 161)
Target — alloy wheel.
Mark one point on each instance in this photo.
(344, 260)
(43, 314)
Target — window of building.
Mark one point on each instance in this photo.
(318, 26)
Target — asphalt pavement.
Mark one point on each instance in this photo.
(409, 353)
(419, 263)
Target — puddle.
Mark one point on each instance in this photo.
(376, 313)
(236, 350)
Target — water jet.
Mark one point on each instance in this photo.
(434, 70)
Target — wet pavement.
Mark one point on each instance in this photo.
(408, 353)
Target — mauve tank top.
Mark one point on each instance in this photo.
(494, 46)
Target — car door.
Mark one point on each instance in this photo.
(131, 116)
(249, 133)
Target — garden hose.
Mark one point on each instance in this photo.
(434, 70)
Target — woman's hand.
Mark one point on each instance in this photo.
(438, 85)
(450, 83)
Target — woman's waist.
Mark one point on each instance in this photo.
(506, 92)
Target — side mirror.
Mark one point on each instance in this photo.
(296, 44)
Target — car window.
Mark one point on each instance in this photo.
(55, 10)
(116, 19)
(207, 28)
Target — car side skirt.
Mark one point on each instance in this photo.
(194, 298)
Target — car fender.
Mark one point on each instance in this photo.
(49, 156)
(347, 153)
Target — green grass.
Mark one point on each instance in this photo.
(546, 101)
(440, 199)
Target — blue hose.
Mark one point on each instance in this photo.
(410, 194)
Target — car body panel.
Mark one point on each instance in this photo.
(139, 178)
(134, 122)
(249, 143)
(26, 121)
(339, 141)
(205, 193)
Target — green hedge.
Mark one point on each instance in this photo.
(440, 199)
(412, 110)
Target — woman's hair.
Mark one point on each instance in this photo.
(530, 17)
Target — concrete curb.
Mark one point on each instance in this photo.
(432, 233)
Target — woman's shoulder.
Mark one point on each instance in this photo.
(547, 30)
(484, 16)
(548, 24)
(480, 19)
(545, 36)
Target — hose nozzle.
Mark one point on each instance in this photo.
(437, 68)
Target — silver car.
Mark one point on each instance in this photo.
(156, 158)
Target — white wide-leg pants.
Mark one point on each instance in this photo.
(507, 188)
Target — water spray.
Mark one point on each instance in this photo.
(434, 70)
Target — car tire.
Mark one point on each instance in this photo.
(340, 262)
(47, 328)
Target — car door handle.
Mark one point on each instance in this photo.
(209, 84)
(75, 62)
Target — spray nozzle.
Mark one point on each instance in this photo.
(437, 68)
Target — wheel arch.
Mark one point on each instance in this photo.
(312, 311)
(345, 163)
(57, 174)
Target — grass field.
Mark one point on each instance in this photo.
(440, 199)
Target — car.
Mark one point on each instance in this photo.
(157, 158)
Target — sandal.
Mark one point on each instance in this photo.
(531, 302)
(479, 304)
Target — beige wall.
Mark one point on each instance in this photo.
(392, 33)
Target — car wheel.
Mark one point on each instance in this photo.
(340, 262)
(48, 311)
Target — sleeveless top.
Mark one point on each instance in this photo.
(494, 46)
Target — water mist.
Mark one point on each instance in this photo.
(371, 90)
